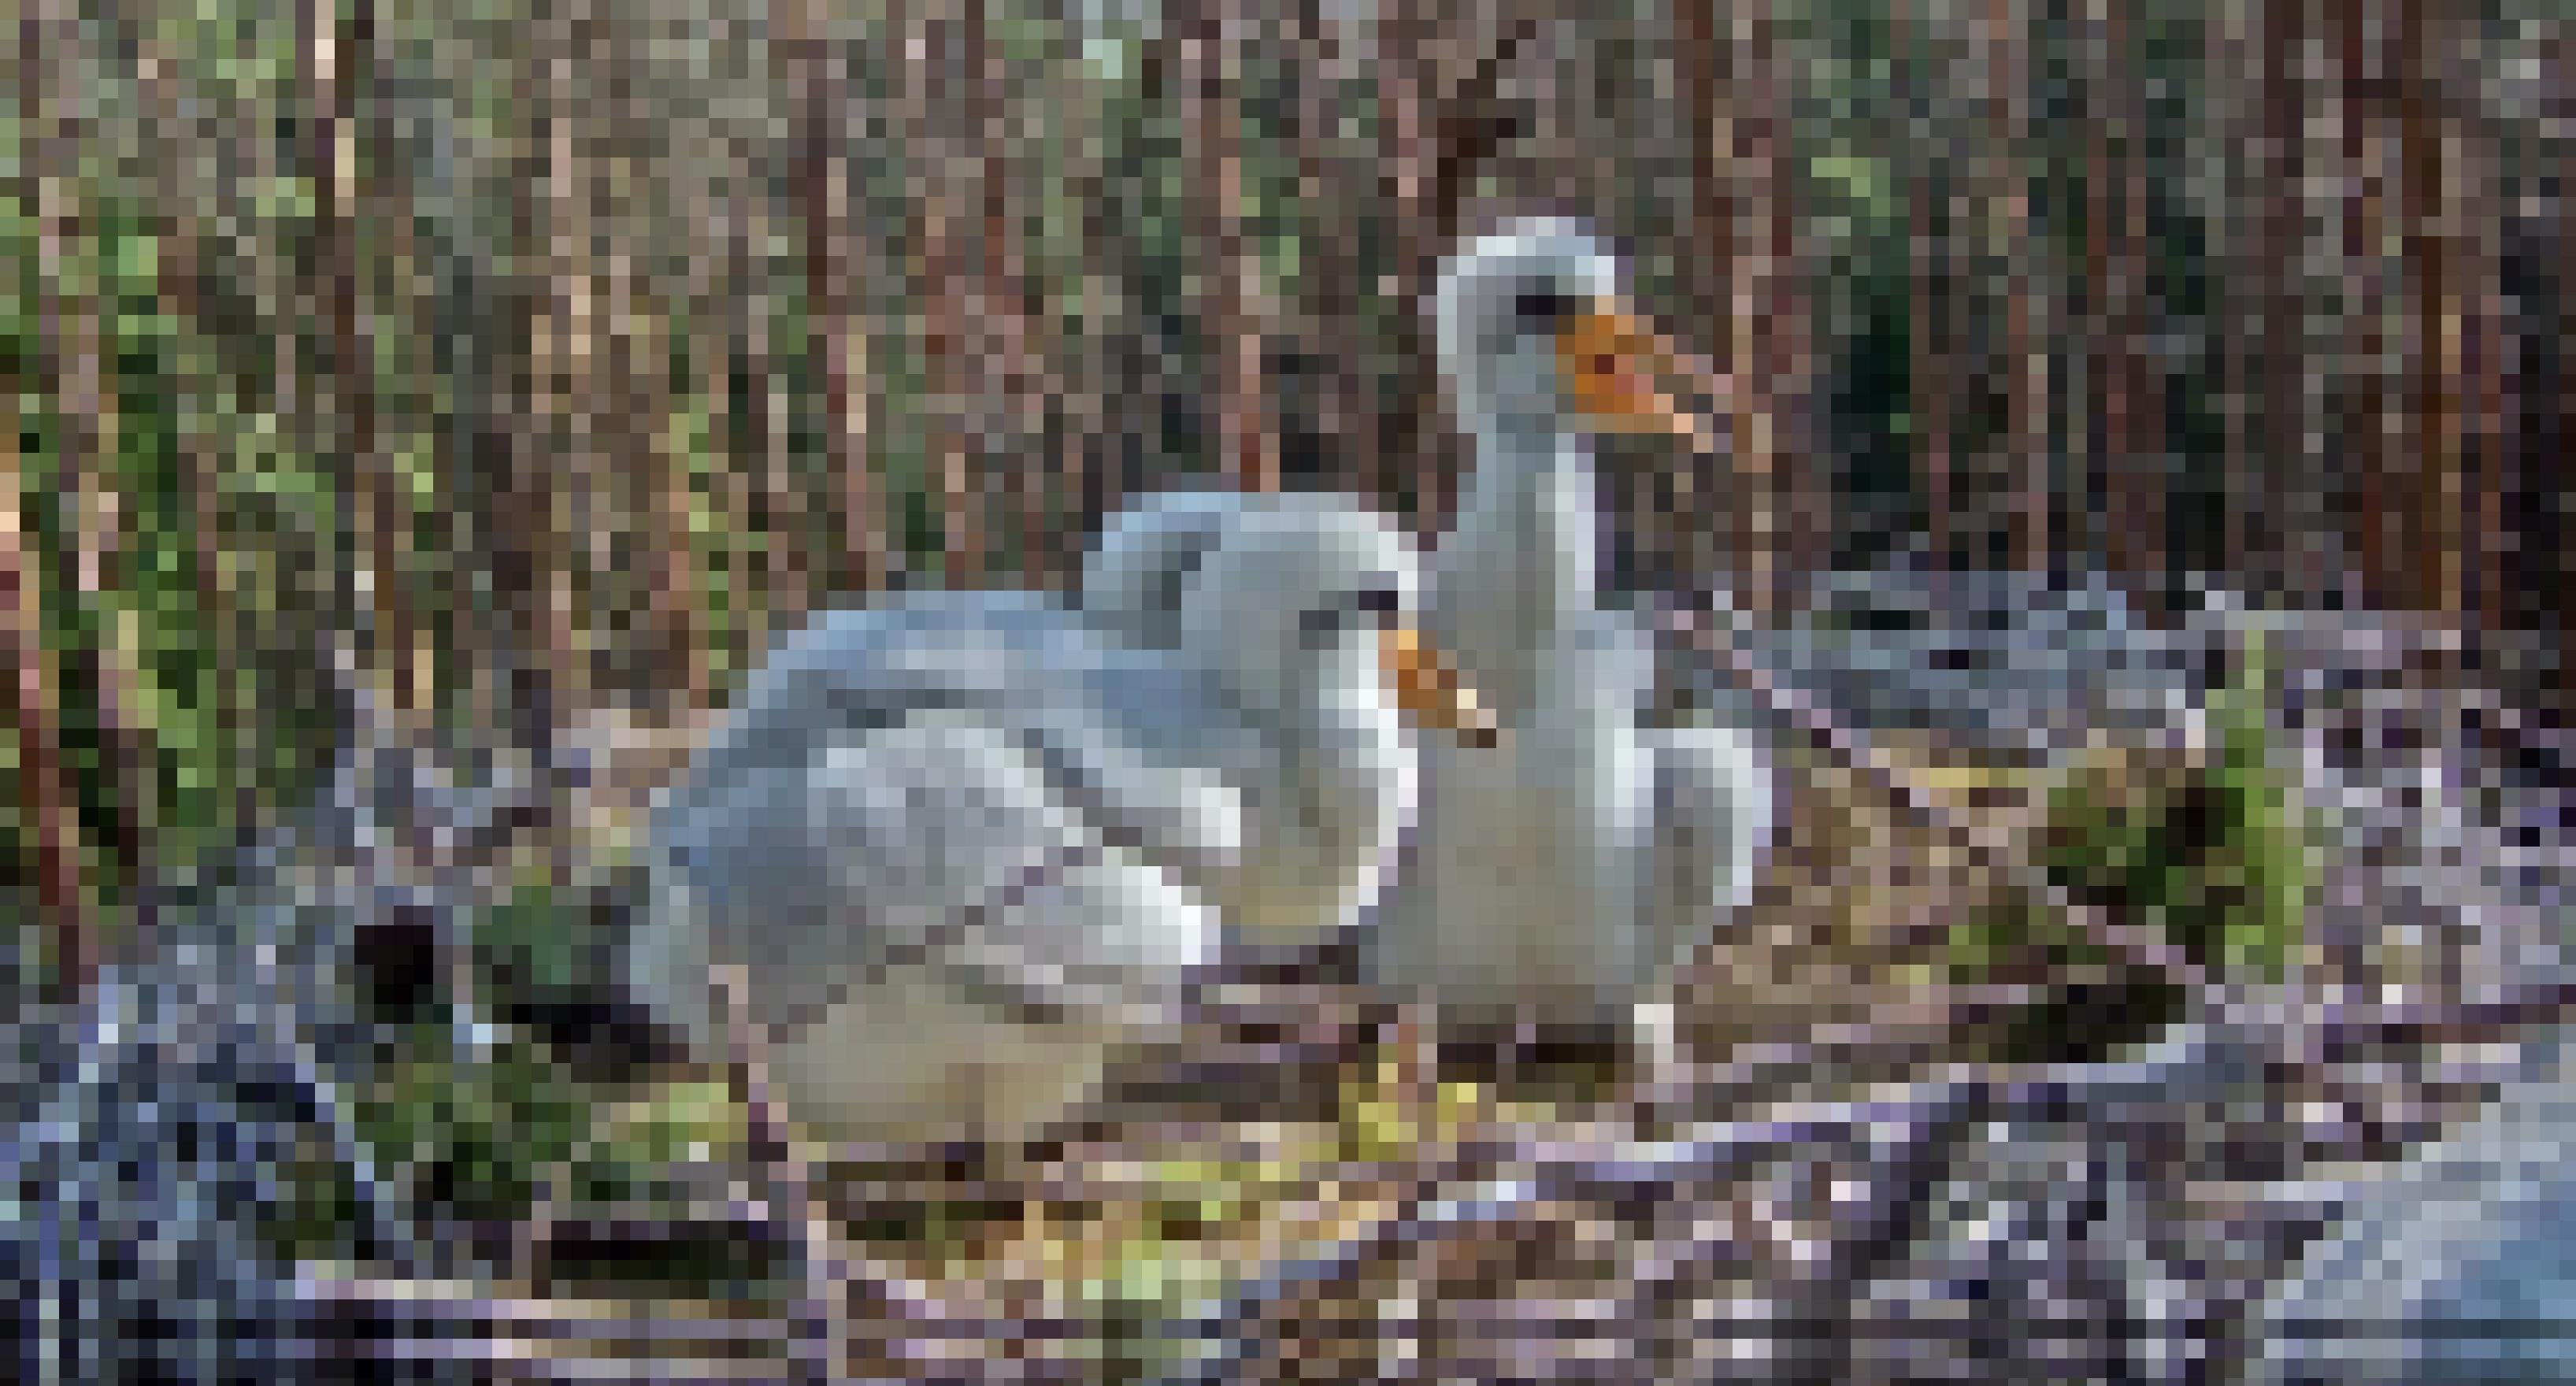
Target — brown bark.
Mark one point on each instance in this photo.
(2373, 522)
(1408, 162)
(1699, 51)
(581, 406)
(336, 59)
(2489, 543)
(192, 389)
(786, 572)
(52, 827)
(2281, 368)
(532, 576)
(1014, 397)
(1228, 307)
(711, 286)
(1770, 334)
(1087, 454)
(676, 672)
(2435, 428)
(2562, 62)
(2132, 406)
(1928, 384)
(72, 337)
(823, 188)
(2234, 312)
(939, 295)
(1346, 417)
(2005, 174)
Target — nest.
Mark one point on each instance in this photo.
(1821, 1199)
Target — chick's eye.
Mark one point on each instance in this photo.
(1380, 600)
(1543, 307)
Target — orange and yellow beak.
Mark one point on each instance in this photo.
(1432, 693)
(1620, 372)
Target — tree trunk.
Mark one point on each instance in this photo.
(1014, 394)
(1928, 266)
(709, 198)
(674, 667)
(1407, 160)
(73, 337)
(939, 292)
(336, 70)
(1081, 359)
(2008, 183)
(577, 494)
(44, 793)
(531, 575)
(1699, 52)
(1229, 264)
(2434, 431)
(2492, 368)
(2562, 62)
(182, 268)
(2374, 525)
(2282, 434)
(786, 570)
(1770, 334)
(1336, 331)
(2132, 405)
(823, 190)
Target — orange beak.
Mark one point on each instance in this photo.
(1432, 693)
(1619, 370)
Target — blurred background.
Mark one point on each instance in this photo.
(555, 356)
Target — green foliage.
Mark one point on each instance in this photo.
(2215, 858)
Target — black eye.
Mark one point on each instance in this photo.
(1380, 600)
(1543, 307)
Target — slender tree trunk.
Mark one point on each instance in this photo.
(2232, 320)
(1708, 278)
(2102, 400)
(1228, 306)
(1016, 456)
(676, 674)
(2132, 406)
(2374, 525)
(2008, 184)
(1088, 455)
(1346, 416)
(823, 194)
(2562, 63)
(1928, 267)
(576, 496)
(1407, 162)
(940, 292)
(73, 335)
(1700, 53)
(2282, 366)
(2491, 369)
(2434, 429)
(786, 572)
(531, 574)
(1770, 334)
(337, 60)
(44, 790)
(192, 392)
(1805, 491)
(710, 197)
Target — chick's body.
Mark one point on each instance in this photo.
(963, 846)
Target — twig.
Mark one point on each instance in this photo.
(1461, 1197)
(820, 1337)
